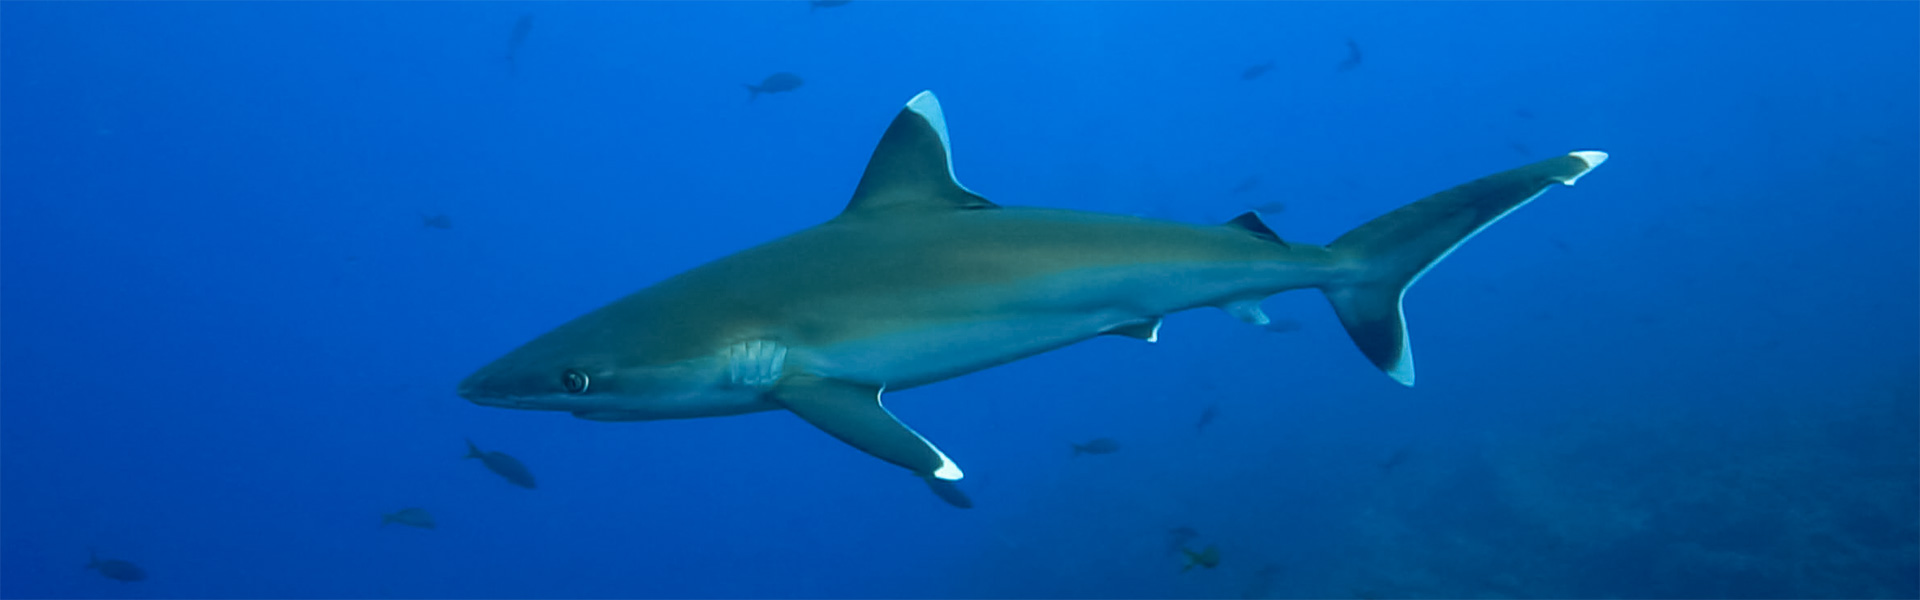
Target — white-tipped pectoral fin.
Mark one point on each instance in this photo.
(853, 413)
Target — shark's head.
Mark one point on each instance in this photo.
(602, 372)
(548, 376)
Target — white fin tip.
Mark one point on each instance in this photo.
(1593, 158)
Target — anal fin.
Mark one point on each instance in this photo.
(853, 413)
(1148, 330)
(1248, 311)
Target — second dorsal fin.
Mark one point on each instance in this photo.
(1250, 222)
(912, 169)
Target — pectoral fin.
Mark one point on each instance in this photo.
(950, 492)
(852, 412)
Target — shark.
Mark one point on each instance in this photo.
(920, 279)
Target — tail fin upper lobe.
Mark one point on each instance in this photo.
(1393, 251)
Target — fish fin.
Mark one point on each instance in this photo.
(912, 168)
(853, 413)
(1148, 330)
(1392, 251)
(1247, 311)
(1250, 222)
(949, 492)
(474, 451)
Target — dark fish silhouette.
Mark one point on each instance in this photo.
(819, 4)
(1353, 57)
(506, 466)
(1097, 446)
(1399, 457)
(1208, 558)
(436, 221)
(1254, 72)
(774, 84)
(1246, 185)
(411, 517)
(117, 570)
(521, 29)
(1206, 417)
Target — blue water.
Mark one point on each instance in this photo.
(229, 338)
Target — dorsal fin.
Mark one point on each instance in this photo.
(1250, 222)
(912, 169)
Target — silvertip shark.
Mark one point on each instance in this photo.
(920, 280)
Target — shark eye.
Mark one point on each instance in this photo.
(575, 381)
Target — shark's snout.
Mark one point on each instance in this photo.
(475, 389)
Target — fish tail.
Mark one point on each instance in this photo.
(473, 451)
(93, 560)
(1386, 255)
(753, 91)
(385, 519)
(1078, 449)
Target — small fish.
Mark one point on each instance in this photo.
(1206, 416)
(117, 570)
(1245, 186)
(436, 221)
(1281, 326)
(1178, 537)
(819, 4)
(1270, 208)
(1399, 457)
(506, 466)
(1097, 446)
(1208, 558)
(521, 29)
(411, 517)
(774, 84)
(1353, 57)
(1254, 72)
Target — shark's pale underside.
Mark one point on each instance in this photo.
(921, 280)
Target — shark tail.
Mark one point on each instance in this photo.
(1391, 252)
(753, 91)
(473, 451)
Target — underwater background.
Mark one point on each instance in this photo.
(249, 248)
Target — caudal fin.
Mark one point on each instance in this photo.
(1391, 252)
(474, 451)
(753, 91)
